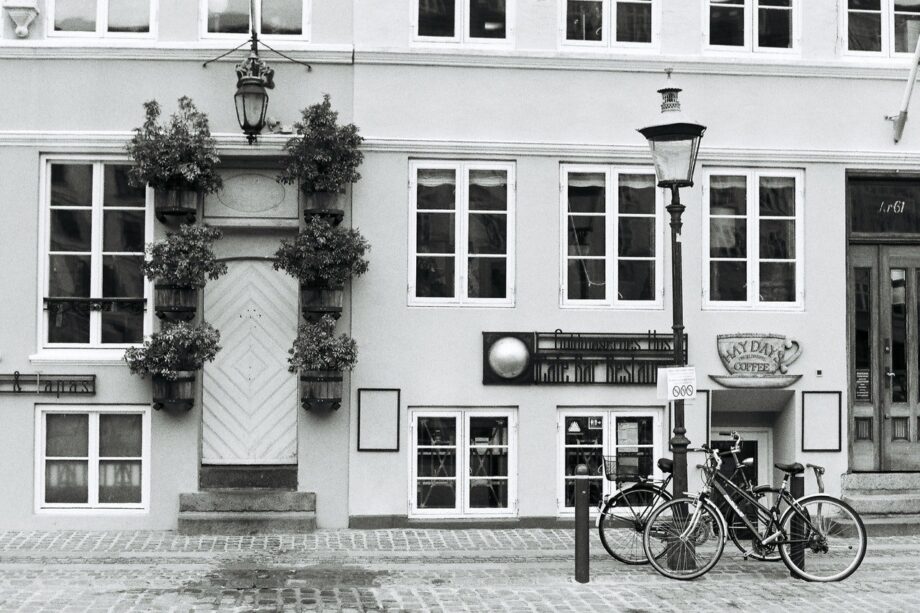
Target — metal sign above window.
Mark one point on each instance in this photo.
(38, 383)
(884, 205)
(575, 358)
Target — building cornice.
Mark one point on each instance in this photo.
(190, 52)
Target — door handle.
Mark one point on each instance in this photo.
(890, 374)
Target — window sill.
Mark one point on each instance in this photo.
(92, 510)
(80, 357)
(460, 305)
(784, 308)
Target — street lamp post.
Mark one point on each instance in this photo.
(675, 141)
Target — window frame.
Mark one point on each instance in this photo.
(306, 24)
(93, 459)
(611, 226)
(462, 416)
(92, 351)
(751, 29)
(461, 234)
(461, 35)
(753, 259)
(608, 40)
(608, 414)
(887, 33)
(102, 18)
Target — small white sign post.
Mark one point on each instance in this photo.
(677, 383)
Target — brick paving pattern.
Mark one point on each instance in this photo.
(410, 570)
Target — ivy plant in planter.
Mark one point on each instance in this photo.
(180, 264)
(323, 158)
(322, 257)
(177, 159)
(320, 357)
(171, 356)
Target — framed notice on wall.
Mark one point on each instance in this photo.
(821, 421)
(378, 419)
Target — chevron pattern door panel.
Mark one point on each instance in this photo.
(250, 398)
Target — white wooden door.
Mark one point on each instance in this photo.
(249, 397)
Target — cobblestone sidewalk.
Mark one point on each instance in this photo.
(410, 570)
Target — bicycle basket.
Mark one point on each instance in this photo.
(615, 472)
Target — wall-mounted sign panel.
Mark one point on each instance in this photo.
(757, 359)
(884, 205)
(38, 383)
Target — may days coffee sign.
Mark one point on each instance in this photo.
(757, 360)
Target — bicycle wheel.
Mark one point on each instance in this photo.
(829, 532)
(741, 535)
(623, 519)
(684, 538)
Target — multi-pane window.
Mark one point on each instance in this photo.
(464, 20)
(605, 22)
(100, 17)
(887, 26)
(761, 25)
(96, 225)
(611, 225)
(632, 438)
(463, 462)
(752, 238)
(273, 17)
(461, 233)
(96, 458)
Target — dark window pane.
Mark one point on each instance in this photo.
(898, 289)
(637, 194)
(777, 239)
(865, 32)
(437, 189)
(487, 18)
(437, 431)
(489, 493)
(584, 430)
(66, 481)
(488, 462)
(906, 30)
(885, 205)
(777, 196)
(119, 481)
(75, 16)
(71, 185)
(228, 16)
(436, 18)
(587, 235)
(586, 279)
(865, 5)
(437, 462)
(118, 192)
(634, 22)
(634, 461)
(728, 281)
(777, 282)
(907, 6)
(786, 3)
(282, 17)
(726, 25)
(71, 230)
(595, 490)
(488, 190)
(636, 280)
(774, 28)
(727, 195)
(634, 431)
(66, 435)
(728, 237)
(120, 436)
(584, 20)
(123, 324)
(434, 233)
(68, 323)
(637, 236)
(488, 233)
(434, 277)
(488, 430)
(128, 15)
(122, 276)
(68, 276)
(441, 494)
(487, 278)
(586, 192)
(862, 318)
(123, 231)
(592, 457)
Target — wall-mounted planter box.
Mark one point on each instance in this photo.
(174, 395)
(327, 205)
(175, 302)
(321, 389)
(179, 206)
(318, 301)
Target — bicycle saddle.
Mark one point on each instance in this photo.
(792, 469)
(666, 465)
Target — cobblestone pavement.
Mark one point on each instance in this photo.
(410, 570)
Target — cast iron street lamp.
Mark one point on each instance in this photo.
(675, 141)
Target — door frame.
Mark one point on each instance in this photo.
(764, 437)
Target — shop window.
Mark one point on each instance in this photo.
(100, 17)
(882, 26)
(758, 25)
(95, 226)
(464, 462)
(752, 239)
(274, 17)
(632, 437)
(863, 428)
(611, 228)
(461, 235)
(478, 21)
(610, 22)
(93, 458)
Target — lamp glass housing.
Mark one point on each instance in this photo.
(674, 148)
(251, 101)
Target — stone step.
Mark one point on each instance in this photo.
(246, 522)
(902, 524)
(887, 503)
(242, 500)
(867, 482)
